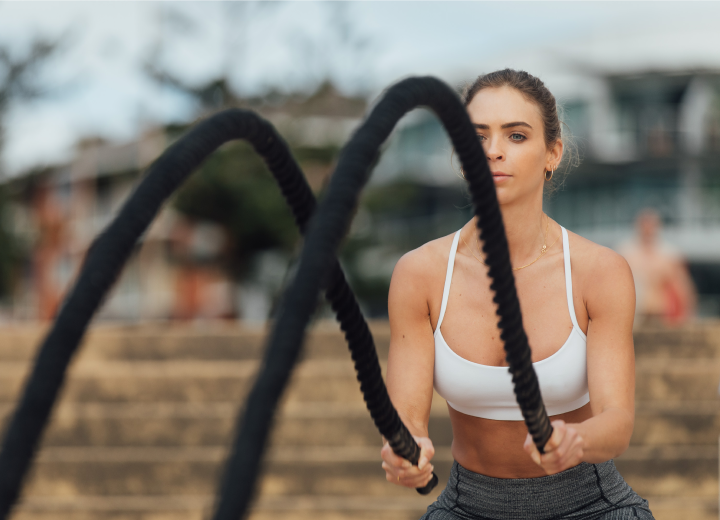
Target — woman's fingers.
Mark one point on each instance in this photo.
(562, 445)
(532, 450)
(413, 477)
(419, 481)
(408, 477)
(563, 450)
(427, 451)
(570, 451)
(388, 455)
(558, 434)
(401, 472)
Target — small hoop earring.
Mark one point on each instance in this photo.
(551, 174)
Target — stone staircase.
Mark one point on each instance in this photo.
(147, 414)
(673, 457)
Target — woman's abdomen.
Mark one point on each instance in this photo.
(495, 448)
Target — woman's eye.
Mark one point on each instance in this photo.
(481, 137)
(517, 137)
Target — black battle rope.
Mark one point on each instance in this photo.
(110, 251)
(325, 232)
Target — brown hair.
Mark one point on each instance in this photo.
(534, 90)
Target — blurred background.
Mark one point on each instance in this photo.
(92, 93)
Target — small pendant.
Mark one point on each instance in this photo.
(544, 247)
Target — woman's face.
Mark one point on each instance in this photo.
(511, 131)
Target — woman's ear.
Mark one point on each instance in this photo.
(555, 155)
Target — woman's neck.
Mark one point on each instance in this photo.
(525, 226)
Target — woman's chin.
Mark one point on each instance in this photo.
(504, 195)
(511, 194)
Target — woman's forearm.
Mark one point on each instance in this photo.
(416, 421)
(605, 436)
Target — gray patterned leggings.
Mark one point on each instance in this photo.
(585, 492)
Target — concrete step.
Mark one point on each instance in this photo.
(672, 380)
(698, 335)
(681, 351)
(201, 424)
(237, 342)
(668, 471)
(333, 424)
(676, 423)
(679, 508)
(671, 471)
(677, 380)
(187, 381)
(183, 342)
(143, 471)
(144, 423)
(182, 507)
(362, 507)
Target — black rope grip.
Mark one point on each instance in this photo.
(325, 231)
(111, 249)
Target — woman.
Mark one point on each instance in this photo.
(577, 312)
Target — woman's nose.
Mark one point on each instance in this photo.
(493, 150)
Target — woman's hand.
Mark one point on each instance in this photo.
(399, 471)
(563, 450)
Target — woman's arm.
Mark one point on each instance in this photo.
(609, 295)
(410, 366)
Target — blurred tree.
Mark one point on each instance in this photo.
(234, 189)
(394, 218)
(20, 81)
(20, 76)
(10, 250)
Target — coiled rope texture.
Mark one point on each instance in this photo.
(112, 248)
(325, 232)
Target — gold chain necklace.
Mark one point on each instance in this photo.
(543, 250)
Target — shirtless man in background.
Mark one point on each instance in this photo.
(665, 292)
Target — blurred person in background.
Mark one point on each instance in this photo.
(665, 293)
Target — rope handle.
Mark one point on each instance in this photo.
(111, 249)
(113, 246)
(325, 232)
(427, 488)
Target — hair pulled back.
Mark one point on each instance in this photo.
(534, 90)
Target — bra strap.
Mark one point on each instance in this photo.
(568, 278)
(448, 278)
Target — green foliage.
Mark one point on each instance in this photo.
(19, 81)
(399, 198)
(318, 155)
(392, 219)
(378, 204)
(234, 189)
(10, 254)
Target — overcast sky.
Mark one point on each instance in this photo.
(97, 86)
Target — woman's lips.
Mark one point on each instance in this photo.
(499, 177)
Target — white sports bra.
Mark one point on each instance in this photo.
(487, 391)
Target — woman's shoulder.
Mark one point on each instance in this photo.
(428, 260)
(596, 266)
(418, 278)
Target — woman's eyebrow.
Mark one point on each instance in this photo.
(481, 126)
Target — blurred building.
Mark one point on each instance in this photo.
(647, 140)
(178, 271)
(58, 211)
